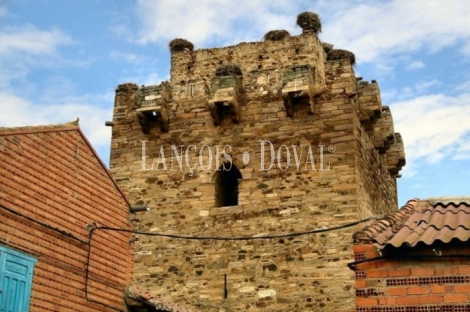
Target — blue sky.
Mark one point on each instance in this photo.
(60, 60)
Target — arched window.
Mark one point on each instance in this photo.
(226, 186)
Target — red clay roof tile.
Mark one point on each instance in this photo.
(419, 222)
(140, 294)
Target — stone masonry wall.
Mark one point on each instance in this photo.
(298, 273)
(261, 64)
(376, 166)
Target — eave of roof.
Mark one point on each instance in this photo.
(420, 222)
(143, 296)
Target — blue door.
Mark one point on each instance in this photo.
(16, 274)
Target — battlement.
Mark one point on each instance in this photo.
(254, 57)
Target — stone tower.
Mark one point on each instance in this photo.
(266, 138)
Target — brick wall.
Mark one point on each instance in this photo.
(54, 178)
(418, 281)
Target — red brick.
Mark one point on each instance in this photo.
(399, 273)
(366, 301)
(456, 298)
(408, 300)
(417, 290)
(376, 273)
(371, 254)
(442, 271)
(438, 289)
(387, 264)
(366, 266)
(361, 283)
(387, 301)
(448, 270)
(396, 291)
(431, 299)
(422, 272)
(462, 288)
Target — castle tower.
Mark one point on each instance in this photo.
(258, 139)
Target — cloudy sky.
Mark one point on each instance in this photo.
(60, 60)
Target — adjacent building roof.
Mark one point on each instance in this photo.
(153, 303)
(420, 221)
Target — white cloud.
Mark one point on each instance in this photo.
(418, 89)
(423, 86)
(203, 21)
(145, 76)
(143, 68)
(17, 111)
(127, 57)
(28, 39)
(433, 127)
(463, 152)
(23, 50)
(374, 29)
(465, 49)
(463, 87)
(415, 65)
(26, 47)
(152, 79)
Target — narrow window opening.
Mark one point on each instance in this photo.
(151, 116)
(297, 51)
(191, 90)
(225, 112)
(300, 106)
(226, 185)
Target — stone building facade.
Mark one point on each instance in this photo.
(258, 139)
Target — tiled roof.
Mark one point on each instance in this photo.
(141, 295)
(420, 221)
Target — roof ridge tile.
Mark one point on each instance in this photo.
(72, 125)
